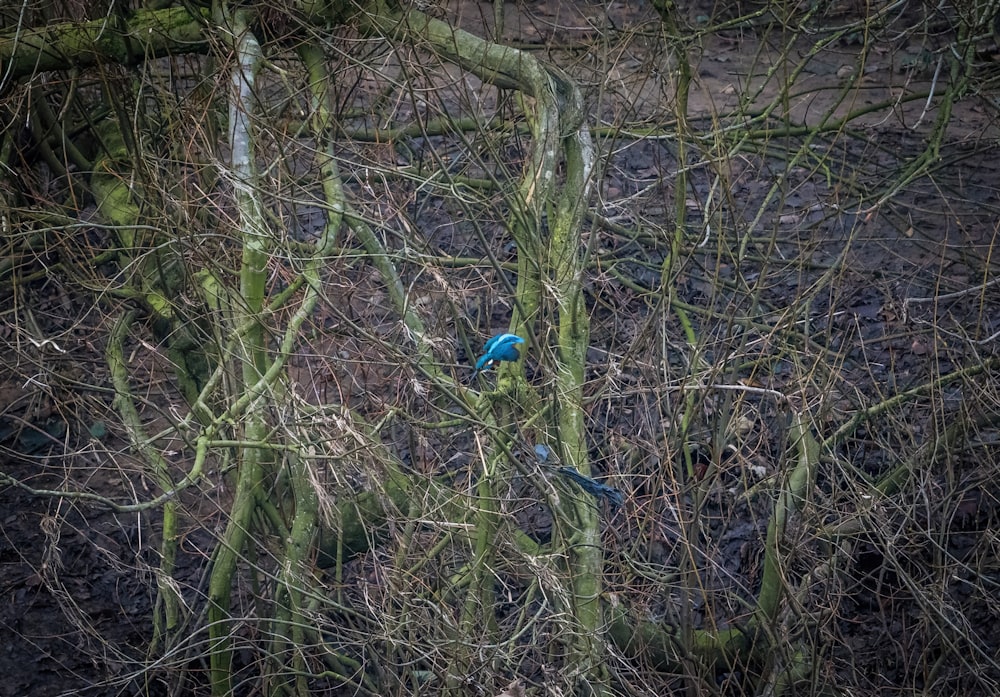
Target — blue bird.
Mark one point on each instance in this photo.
(594, 487)
(502, 347)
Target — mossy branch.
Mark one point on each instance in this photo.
(142, 35)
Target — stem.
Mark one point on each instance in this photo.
(256, 241)
(167, 611)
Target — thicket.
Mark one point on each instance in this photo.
(251, 253)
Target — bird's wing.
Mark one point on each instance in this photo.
(493, 341)
(506, 352)
(503, 340)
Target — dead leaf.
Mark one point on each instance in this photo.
(515, 689)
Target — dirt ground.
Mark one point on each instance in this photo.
(77, 584)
